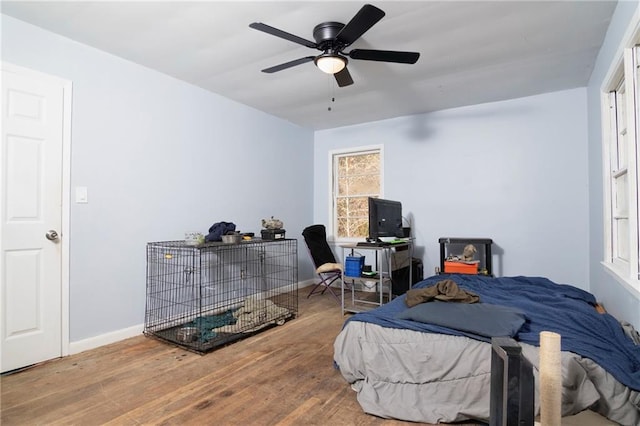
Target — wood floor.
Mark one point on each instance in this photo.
(281, 376)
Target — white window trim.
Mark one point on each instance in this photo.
(331, 227)
(627, 275)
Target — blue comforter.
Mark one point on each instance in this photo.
(548, 306)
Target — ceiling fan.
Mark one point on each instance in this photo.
(331, 38)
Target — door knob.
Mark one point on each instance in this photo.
(51, 235)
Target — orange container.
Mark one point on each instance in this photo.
(460, 268)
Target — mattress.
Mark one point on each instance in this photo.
(410, 371)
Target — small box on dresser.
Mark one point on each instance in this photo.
(272, 234)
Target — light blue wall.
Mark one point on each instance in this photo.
(514, 171)
(617, 299)
(159, 157)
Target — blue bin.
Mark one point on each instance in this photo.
(353, 266)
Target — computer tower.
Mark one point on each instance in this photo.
(400, 277)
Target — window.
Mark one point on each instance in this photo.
(619, 176)
(357, 175)
(621, 120)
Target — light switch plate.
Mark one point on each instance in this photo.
(82, 195)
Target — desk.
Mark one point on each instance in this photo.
(357, 293)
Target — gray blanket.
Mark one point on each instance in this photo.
(437, 378)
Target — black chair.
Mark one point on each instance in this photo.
(327, 269)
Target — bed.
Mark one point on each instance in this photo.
(405, 366)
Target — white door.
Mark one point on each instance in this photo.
(31, 182)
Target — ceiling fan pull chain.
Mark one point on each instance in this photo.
(330, 91)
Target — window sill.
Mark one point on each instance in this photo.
(633, 286)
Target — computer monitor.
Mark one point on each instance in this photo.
(512, 385)
(385, 218)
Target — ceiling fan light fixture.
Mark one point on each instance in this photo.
(331, 63)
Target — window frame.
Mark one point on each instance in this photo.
(333, 154)
(625, 71)
(618, 151)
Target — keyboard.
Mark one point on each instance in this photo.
(373, 244)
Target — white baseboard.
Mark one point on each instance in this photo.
(136, 330)
(105, 339)
(307, 283)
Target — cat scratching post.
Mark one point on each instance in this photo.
(550, 379)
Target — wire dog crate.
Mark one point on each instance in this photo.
(201, 297)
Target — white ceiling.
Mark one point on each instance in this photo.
(471, 51)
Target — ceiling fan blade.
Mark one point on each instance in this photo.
(288, 64)
(343, 78)
(282, 34)
(385, 56)
(366, 18)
